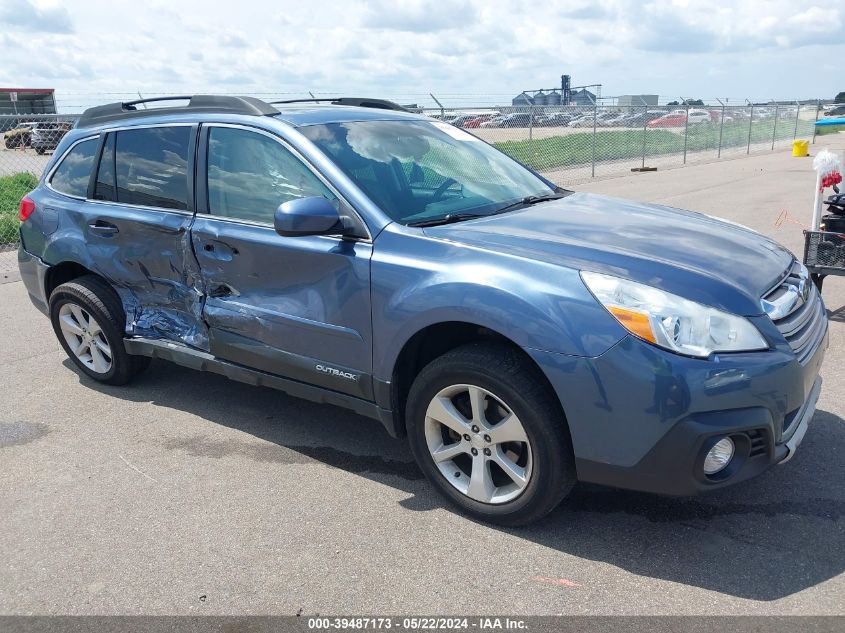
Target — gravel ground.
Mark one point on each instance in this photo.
(188, 494)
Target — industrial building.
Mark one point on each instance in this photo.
(565, 95)
(27, 101)
(627, 101)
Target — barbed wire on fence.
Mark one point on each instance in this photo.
(567, 144)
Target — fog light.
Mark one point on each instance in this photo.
(719, 456)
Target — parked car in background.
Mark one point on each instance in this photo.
(481, 118)
(46, 135)
(516, 119)
(460, 120)
(601, 119)
(638, 119)
(579, 117)
(584, 121)
(555, 119)
(678, 118)
(496, 121)
(604, 118)
(615, 121)
(672, 119)
(19, 136)
(717, 115)
(836, 111)
(481, 312)
(699, 116)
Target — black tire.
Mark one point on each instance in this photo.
(39, 150)
(99, 299)
(513, 379)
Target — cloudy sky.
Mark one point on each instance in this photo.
(461, 50)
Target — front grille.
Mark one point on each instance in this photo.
(804, 320)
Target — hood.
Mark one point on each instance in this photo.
(704, 259)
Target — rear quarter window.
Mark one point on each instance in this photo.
(74, 172)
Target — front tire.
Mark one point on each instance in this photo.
(490, 435)
(88, 320)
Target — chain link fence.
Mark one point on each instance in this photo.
(28, 142)
(567, 144)
(571, 144)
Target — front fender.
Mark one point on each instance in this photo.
(419, 281)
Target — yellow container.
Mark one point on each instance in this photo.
(800, 147)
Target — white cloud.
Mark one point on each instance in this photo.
(35, 18)
(421, 16)
(462, 50)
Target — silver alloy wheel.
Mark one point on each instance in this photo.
(478, 444)
(85, 338)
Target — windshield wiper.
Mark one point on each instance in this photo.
(543, 198)
(529, 200)
(448, 219)
(460, 217)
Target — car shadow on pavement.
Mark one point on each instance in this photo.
(836, 315)
(764, 539)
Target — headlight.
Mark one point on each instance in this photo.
(672, 322)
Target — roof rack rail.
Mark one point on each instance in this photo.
(196, 103)
(361, 102)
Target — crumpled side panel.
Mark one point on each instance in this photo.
(175, 309)
(157, 277)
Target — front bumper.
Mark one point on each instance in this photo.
(786, 450)
(643, 418)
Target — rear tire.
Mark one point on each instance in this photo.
(510, 464)
(88, 320)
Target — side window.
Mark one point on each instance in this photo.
(250, 175)
(105, 189)
(151, 166)
(74, 172)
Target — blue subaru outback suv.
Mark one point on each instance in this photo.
(522, 336)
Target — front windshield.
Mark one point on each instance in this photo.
(419, 171)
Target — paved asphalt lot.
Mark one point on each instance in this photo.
(186, 493)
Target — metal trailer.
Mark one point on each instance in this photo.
(824, 246)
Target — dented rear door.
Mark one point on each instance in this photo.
(137, 230)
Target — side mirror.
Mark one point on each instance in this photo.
(307, 216)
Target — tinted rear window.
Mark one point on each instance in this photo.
(151, 166)
(74, 172)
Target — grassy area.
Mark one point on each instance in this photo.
(577, 149)
(12, 189)
(821, 130)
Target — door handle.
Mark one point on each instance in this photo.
(101, 227)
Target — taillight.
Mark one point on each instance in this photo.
(25, 209)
